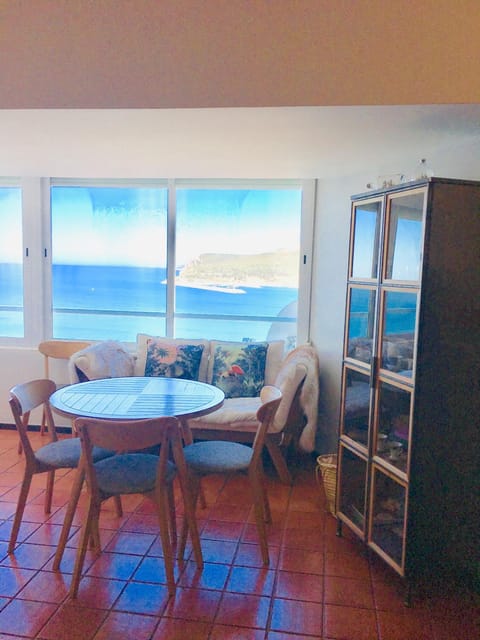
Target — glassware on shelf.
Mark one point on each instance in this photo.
(423, 170)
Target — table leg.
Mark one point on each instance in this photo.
(72, 506)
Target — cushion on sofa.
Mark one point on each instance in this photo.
(171, 345)
(238, 368)
(239, 414)
(173, 360)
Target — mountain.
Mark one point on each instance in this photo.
(279, 269)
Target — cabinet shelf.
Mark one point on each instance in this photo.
(407, 444)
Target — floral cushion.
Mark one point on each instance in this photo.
(239, 368)
(170, 360)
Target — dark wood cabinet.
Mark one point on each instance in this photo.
(408, 480)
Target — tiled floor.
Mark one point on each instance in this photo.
(317, 585)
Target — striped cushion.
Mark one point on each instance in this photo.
(129, 473)
(215, 456)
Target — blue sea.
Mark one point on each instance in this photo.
(102, 302)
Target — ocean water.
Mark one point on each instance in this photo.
(102, 302)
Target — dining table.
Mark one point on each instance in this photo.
(136, 398)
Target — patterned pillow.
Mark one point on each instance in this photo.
(173, 361)
(239, 368)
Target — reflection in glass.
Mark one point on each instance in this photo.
(361, 320)
(405, 237)
(388, 518)
(365, 240)
(353, 481)
(400, 311)
(356, 406)
(393, 424)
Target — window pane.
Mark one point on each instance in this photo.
(400, 313)
(365, 240)
(405, 237)
(237, 259)
(108, 261)
(11, 263)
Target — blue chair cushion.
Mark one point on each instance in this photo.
(217, 456)
(129, 473)
(66, 453)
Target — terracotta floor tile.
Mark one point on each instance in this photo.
(301, 560)
(25, 618)
(194, 604)
(178, 629)
(349, 592)
(351, 623)
(279, 635)
(410, 623)
(299, 586)
(347, 565)
(251, 580)
(120, 626)
(144, 598)
(310, 539)
(152, 570)
(218, 551)
(242, 610)
(274, 534)
(121, 566)
(13, 579)
(30, 556)
(73, 622)
(26, 530)
(297, 617)
(223, 632)
(98, 593)
(47, 586)
(133, 543)
(249, 555)
(219, 530)
(213, 576)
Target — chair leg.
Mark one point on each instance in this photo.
(162, 511)
(22, 501)
(93, 513)
(278, 460)
(67, 523)
(194, 494)
(260, 515)
(172, 515)
(118, 506)
(43, 424)
(49, 491)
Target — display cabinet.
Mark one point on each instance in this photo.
(408, 456)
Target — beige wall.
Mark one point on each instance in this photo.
(197, 53)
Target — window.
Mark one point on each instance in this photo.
(97, 259)
(11, 262)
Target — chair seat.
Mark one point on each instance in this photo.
(217, 456)
(129, 473)
(66, 453)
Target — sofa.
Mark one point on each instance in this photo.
(240, 369)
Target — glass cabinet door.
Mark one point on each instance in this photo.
(387, 529)
(392, 424)
(352, 487)
(365, 240)
(399, 316)
(404, 236)
(356, 406)
(361, 308)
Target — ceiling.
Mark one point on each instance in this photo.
(279, 142)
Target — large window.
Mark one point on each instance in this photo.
(11, 262)
(110, 259)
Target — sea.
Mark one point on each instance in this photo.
(117, 302)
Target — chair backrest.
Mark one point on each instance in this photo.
(60, 349)
(270, 397)
(23, 399)
(127, 436)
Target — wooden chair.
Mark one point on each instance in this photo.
(133, 472)
(60, 350)
(224, 457)
(57, 454)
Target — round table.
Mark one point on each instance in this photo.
(134, 398)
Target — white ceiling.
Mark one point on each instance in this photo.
(295, 142)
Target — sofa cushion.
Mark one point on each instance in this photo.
(239, 367)
(238, 414)
(170, 343)
(170, 360)
(275, 356)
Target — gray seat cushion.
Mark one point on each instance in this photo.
(129, 473)
(66, 453)
(217, 456)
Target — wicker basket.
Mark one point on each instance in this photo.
(327, 467)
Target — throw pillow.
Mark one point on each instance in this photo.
(239, 368)
(173, 360)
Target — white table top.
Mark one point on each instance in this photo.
(135, 398)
